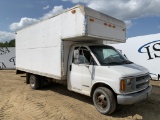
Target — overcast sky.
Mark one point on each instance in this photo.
(142, 17)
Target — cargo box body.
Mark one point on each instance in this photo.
(41, 48)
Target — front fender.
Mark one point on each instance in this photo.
(101, 84)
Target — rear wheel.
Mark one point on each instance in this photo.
(34, 81)
(104, 100)
(43, 81)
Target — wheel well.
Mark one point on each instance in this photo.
(28, 77)
(101, 85)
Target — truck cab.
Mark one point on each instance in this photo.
(102, 72)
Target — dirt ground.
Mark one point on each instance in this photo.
(54, 102)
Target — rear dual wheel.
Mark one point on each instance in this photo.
(34, 81)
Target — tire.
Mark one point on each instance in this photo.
(104, 100)
(34, 81)
(27, 78)
(42, 81)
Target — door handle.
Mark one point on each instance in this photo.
(70, 67)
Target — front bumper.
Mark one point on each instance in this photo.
(135, 97)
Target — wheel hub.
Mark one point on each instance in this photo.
(32, 81)
(102, 101)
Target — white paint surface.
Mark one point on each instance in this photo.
(40, 50)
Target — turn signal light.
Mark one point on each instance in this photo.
(123, 85)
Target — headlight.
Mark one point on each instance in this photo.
(128, 81)
(127, 85)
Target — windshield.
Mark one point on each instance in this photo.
(108, 55)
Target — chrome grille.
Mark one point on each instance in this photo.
(142, 82)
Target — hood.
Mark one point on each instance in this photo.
(128, 70)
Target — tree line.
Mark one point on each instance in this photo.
(8, 44)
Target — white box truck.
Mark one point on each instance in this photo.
(70, 48)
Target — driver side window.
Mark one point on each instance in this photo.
(84, 56)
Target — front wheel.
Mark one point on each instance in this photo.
(104, 100)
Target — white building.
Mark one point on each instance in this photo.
(7, 57)
(145, 51)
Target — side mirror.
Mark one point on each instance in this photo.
(76, 56)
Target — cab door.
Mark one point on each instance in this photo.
(80, 71)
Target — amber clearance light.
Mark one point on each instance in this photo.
(73, 11)
(91, 19)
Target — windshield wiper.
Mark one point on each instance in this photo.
(126, 62)
(113, 63)
(118, 63)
